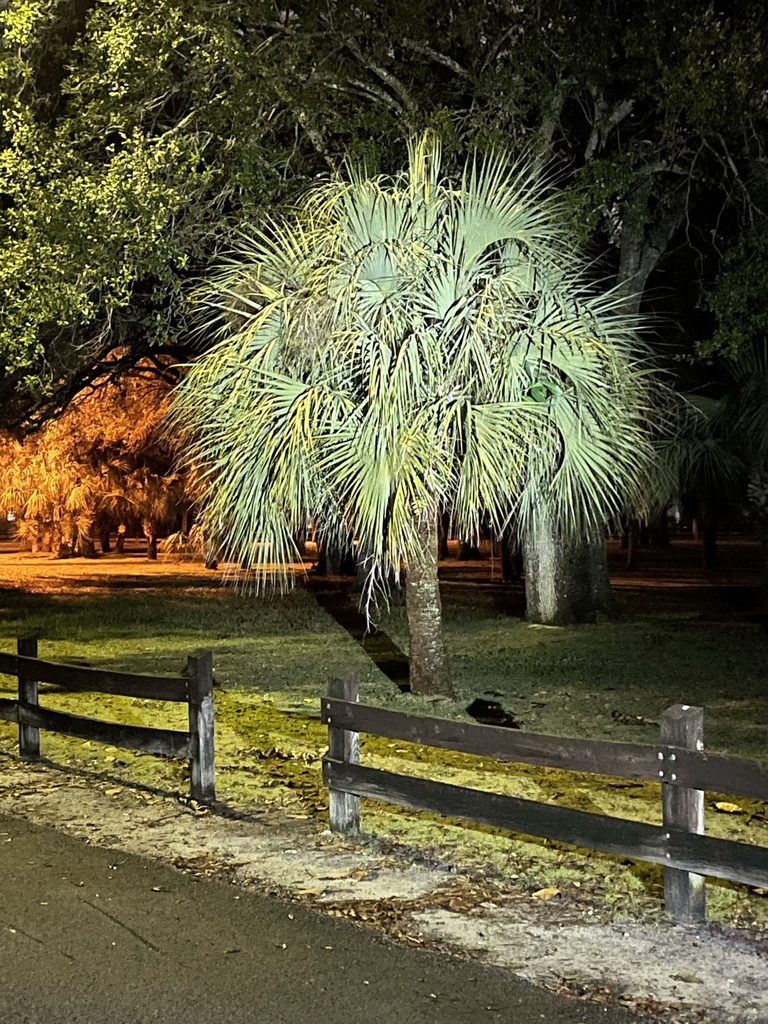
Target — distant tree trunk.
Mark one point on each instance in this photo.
(151, 535)
(63, 550)
(86, 546)
(468, 552)
(546, 600)
(511, 557)
(601, 597)
(428, 664)
(335, 561)
(104, 540)
(633, 543)
(660, 530)
(565, 582)
(445, 525)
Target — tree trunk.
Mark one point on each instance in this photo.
(659, 530)
(445, 525)
(565, 582)
(546, 600)
(63, 549)
(86, 545)
(468, 552)
(104, 539)
(511, 557)
(335, 561)
(151, 535)
(633, 543)
(428, 665)
(601, 596)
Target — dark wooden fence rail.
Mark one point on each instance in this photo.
(194, 689)
(677, 761)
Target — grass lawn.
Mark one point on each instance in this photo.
(683, 638)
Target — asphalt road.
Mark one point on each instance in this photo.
(92, 936)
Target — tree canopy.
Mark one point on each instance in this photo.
(136, 138)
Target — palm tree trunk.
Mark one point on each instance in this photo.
(428, 665)
(546, 600)
(565, 581)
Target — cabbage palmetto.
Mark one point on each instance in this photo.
(403, 346)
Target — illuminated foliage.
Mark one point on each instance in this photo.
(104, 463)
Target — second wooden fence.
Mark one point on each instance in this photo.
(194, 689)
(678, 761)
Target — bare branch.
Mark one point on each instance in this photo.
(439, 58)
(390, 80)
(606, 117)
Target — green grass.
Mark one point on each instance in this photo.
(272, 660)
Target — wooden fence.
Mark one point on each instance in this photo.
(677, 761)
(195, 688)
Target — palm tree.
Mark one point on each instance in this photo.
(402, 347)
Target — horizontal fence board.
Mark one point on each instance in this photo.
(7, 664)
(9, 710)
(720, 773)
(132, 737)
(629, 760)
(703, 855)
(75, 677)
(697, 770)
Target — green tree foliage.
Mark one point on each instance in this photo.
(135, 138)
(406, 346)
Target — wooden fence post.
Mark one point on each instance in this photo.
(29, 735)
(682, 808)
(201, 756)
(344, 745)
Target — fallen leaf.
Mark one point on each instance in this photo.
(113, 791)
(546, 894)
(727, 808)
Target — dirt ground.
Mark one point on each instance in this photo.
(557, 939)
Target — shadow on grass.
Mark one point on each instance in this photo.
(336, 599)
